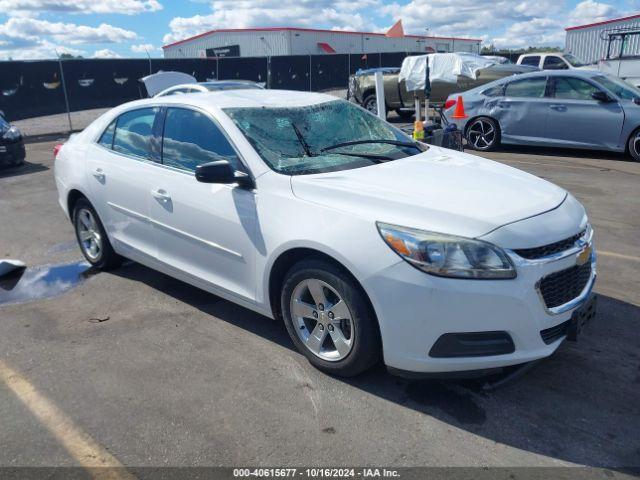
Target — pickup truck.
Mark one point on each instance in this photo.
(363, 92)
(553, 61)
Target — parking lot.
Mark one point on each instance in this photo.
(132, 367)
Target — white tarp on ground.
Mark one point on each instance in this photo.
(444, 67)
(162, 80)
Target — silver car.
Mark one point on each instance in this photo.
(568, 108)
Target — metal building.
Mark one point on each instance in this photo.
(590, 42)
(265, 42)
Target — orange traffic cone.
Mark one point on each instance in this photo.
(459, 112)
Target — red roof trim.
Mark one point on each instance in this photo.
(606, 22)
(296, 29)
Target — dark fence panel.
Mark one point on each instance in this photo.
(329, 71)
(106, 83)
(34, 88)
(243, 69)
(203, 69)
(290, 73)
(30, 89)
(393, 59)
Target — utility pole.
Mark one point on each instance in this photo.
(64, 90)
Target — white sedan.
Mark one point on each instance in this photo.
(307, 208)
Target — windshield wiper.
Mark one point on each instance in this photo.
(370, 156)
(362, 142)
(305, 145)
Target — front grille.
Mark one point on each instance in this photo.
(563, 286)
(552, 334)
(551, 249)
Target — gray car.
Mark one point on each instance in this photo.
(568, 108)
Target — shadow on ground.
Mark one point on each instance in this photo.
(581, 405)
(25, 169)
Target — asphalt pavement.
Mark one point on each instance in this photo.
(134, 368)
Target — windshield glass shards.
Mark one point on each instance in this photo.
(326, 137)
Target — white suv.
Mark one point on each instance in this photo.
(308, 208)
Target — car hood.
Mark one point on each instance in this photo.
(439, 190)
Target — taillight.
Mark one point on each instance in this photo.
(56, 150)
(449, 104)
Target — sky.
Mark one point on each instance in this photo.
(35, 29)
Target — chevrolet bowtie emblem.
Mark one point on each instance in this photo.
(584, 256)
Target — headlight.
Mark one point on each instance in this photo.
(12, 134)
(447, 255)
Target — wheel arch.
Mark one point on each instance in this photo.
(72, 198)
(286, 259)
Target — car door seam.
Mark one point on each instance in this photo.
(151, 221)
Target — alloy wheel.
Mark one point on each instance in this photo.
(481, 134)
(322, 320)
(635, 145)
(89, 234)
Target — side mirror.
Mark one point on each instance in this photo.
(600, 96)
(221, 171)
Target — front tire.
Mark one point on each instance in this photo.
(633, 145)
(404, 114)
(483, 134)
(328, 318)
(92, 238)
(370, 103)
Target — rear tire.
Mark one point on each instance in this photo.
(633, 145)
(328, 318)
(92, 238)
(483, 134)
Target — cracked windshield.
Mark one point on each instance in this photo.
(319, 138)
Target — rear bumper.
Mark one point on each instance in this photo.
(12, 153)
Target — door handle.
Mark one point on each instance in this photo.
(558, 107)
(503, 105)
(99, 174)
(160, 194)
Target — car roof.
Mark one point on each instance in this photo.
(554, 73)
(242, 98)
(537, 54)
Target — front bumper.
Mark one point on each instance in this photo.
(423, 308)
(12, 153)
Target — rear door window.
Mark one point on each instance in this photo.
(569, 88)
(533, 61)
(529, 88)
(134, 131)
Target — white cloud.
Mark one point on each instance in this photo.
(125, 7)
(144, 48)
(105, 53)
(339, 15)
(23, 37)
(590, 12)
(31, 29)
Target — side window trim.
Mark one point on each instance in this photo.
(234, 147)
